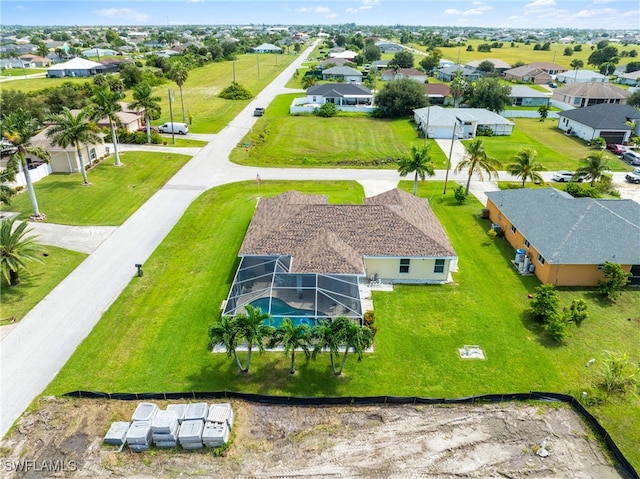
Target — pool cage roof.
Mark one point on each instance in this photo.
(265, 282)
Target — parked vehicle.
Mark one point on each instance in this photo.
(258, 111)
(617, 149)
(563, 176)
(152, 128)
(179, 128)
(631, 157)
(633, 176)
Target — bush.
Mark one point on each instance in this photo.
(235, 91)
(614, 282)
(484, 131)
(460, 195)
(369, 319)
(556, 326)
(545, 302)
(327, 110)
(578, 190)
(577, 312)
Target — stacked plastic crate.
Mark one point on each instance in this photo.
(139, 433)
(218, 425)
(164, 429)
(117, 433)
(190, 435)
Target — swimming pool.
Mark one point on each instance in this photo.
(281, 309)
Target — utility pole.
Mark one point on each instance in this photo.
(446, 178)
(173, 133)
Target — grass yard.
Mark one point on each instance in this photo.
(154, 337)
(280, 139)
(20, 72)
(114, 194)
(35, 284)
(556, 151)
(29, 85)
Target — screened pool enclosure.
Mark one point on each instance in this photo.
(265, 282)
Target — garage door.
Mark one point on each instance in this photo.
(613, 136)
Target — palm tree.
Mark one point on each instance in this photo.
(355, 337)
(16, 249)
(327, 336)
(477, 161)
(225, 332)
(419, 163)
(144, 100)
(19, 128)
(292, 337)
(593, 166)
(457, 87)
(106, 103)
(252, 330)
(69, 129)
(179, 74)
(525, 166)
(6, 192)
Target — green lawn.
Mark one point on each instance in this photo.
(114, 194)
(20, 72)
(351, 141)
(154, 337)
(36, 283)
(29, 85)
(556, 151)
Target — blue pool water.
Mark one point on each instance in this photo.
(281, 309)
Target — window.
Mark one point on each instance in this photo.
(513, 229)
(600, 267)
(540, 259)
(526, 243)
(439, 266)
(404, 265)
(92, 154)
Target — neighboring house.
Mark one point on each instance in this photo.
(65, 160)
(566, 239)
(611, 122)
(632, 79)
(332, 62)
(522, 95)
(468, 74)
(379, 65)
(579, 95)
(447, 123)
(527, 74)
(389, 47)
(347, 55)
(498, 65)
(6, 63)
(76, 67)
(346, 74)
(548, 67)
(305, 258)
(400, 73)
(267, 48)
(99, 52)
(581, 76)
(36, 61)
(437, 93)
(345, 96)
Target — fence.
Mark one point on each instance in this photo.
(624, 465)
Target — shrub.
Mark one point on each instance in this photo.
(545, 302)
(460, 195)
(369, 319)
(617, 373)
(235, 91)
(577, 312)
(327, 110)
(578, 190)
(614, 282)
(556, 326)
(484, 131)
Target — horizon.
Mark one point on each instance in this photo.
(610, 15)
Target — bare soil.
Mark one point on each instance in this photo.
(63, 438)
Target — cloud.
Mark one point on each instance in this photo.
(541, 3)
(596, 2)
(476, 11)
(332, 15)
(594, 13)
(451, 11)
(364, 5)
(314, 9)
(125, 14)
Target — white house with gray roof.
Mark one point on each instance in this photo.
(342, 73)
(615, 123)
(566, 239)
(447, 123)
(345, 96)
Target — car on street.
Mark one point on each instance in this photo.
(152, 128)
(563, 176)
(258, 111)
(633, 176)
(617, 149)
(631, 157)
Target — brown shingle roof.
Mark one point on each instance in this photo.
(324, 238)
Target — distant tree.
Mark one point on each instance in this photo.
(634, 99)
(225, 332)
(179, 74)
(371, 53)
(6, 191)
(106, 104)
(486, 66)
(401, 97)
(235, 91)
(326, 336)
(484, 47)
(356, 338)
(70, 129)
(419, 163)
(403, 59)
(593, 166)
(326, 110)
(517, 64)
(556, 326)
(143, 99)
(577, 312)
(607, 68)
(250, 328)
(16, 249)
(526, 167)
(632, 67)
(308, 81)
(604, 55)
(543, 111)
(577, 48)
(488, 93)
(459, 194)
(614, 282)
(469, 48)
(546, 47)
(568, 52)
(130, 74)
(432, 60)
(576, 64)
(457, 88)
(477, 161)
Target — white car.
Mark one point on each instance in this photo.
(563, 176)
(631, 157)
(634, 176)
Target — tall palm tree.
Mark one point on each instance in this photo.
(457, 87)
(525, 166)
(106, 103)
(355, 337)
(69, 129)
(418, 163)
(291, 338)
(19, 128)
(477, 161)
(252, 330)
(16, 249)
(179, 74)
(225, 332)
(144, 100)
(593, 166)
(327, 336)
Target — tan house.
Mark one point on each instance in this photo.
(304, 257)
(579, 95)
(548, 67)
(564, 240)
(527, 74)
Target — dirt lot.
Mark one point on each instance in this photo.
(471, 441)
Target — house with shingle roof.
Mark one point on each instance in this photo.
(615, 123)
(549, 67)
(527, 74)
(345, 96)
(447, 123)
(313, 255)
(632, 78)
(401, 73)
(342, 73)
(566, 239)
(581, 76)
(578, 95)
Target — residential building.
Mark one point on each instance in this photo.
(579, 95)
(615, 123)
(447, 123)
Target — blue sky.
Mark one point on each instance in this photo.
(588, 14)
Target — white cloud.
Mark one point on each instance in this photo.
(351, 10)
(476, 3)
(596, 2)
(322, 10)
(594, 13)
(364, 5)
(332, 15)
(476, 11)
(451, 11)
(123, 14)
(541, 3)
(314, 9)
(306, 10)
